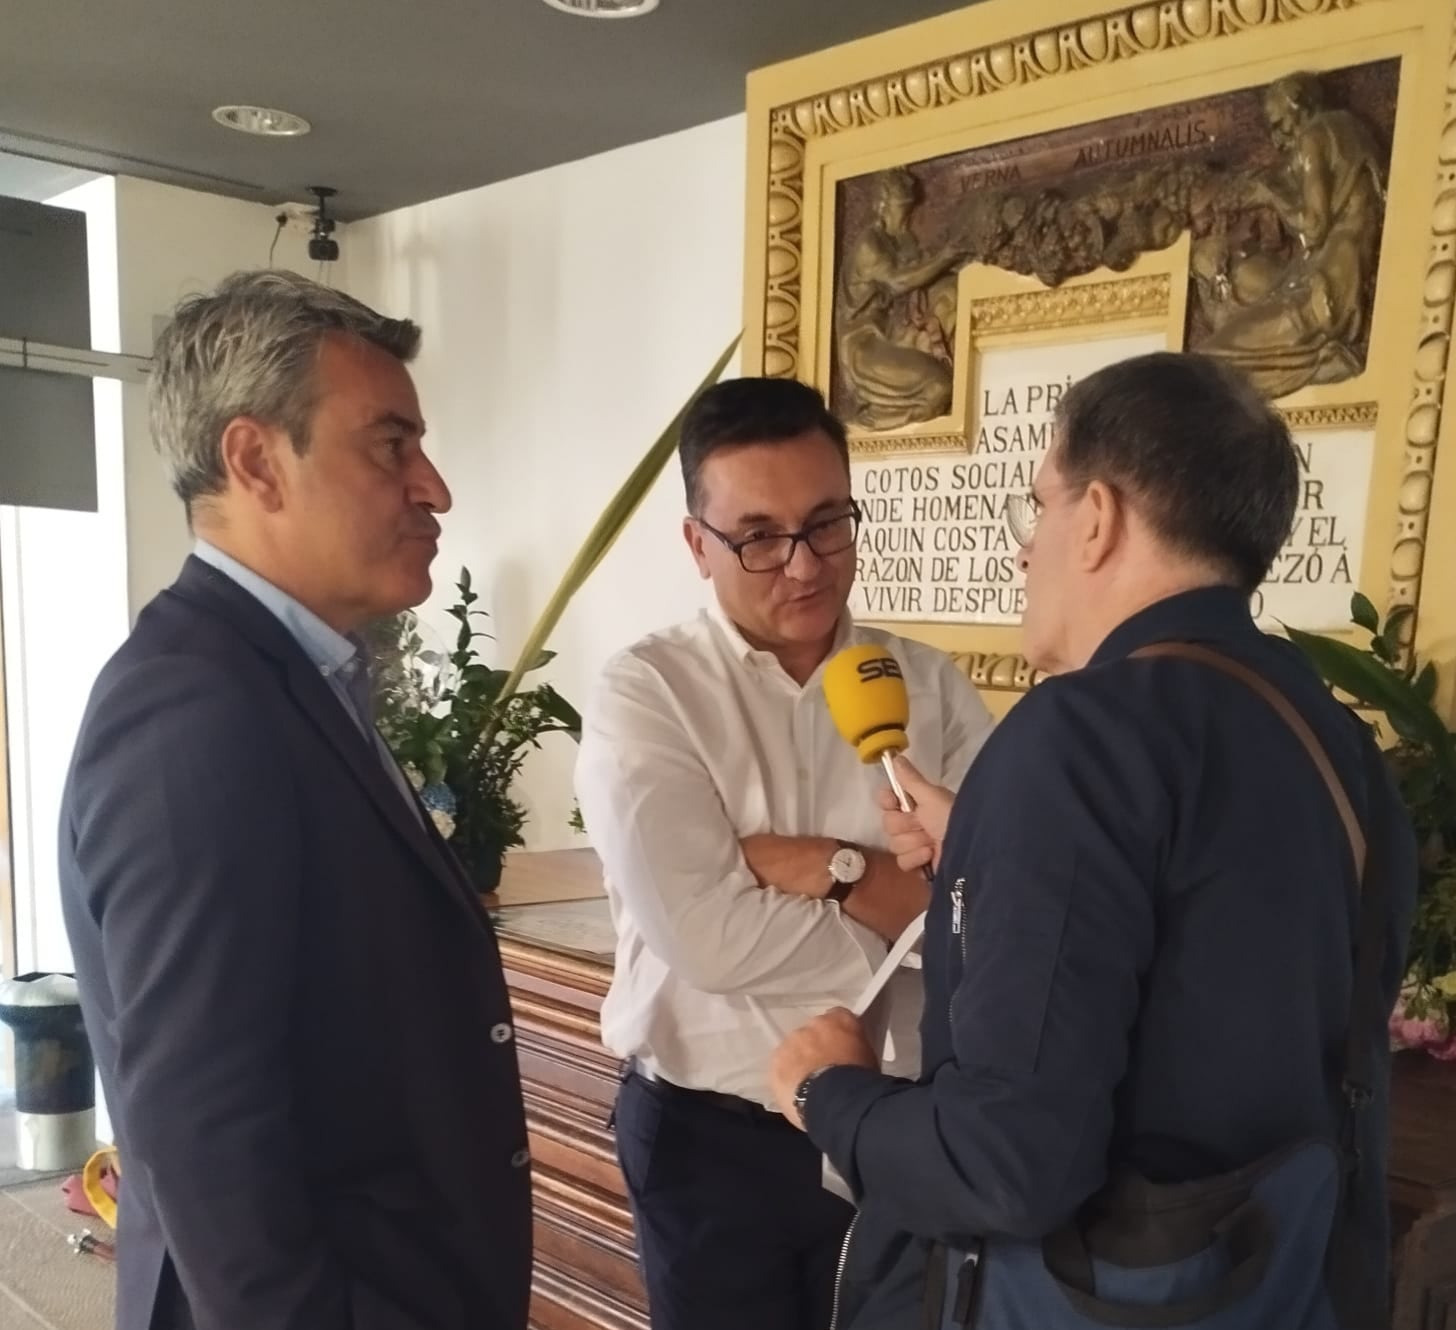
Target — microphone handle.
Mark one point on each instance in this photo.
(907, 805)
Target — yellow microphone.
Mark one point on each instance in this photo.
(866, 693)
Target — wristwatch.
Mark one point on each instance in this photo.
(846, 867)
(801, 1095)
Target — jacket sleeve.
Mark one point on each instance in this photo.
(186, 832)
(1010, 1135)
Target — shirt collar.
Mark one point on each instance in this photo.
(328, 650)
(743, 651)
(1208, 614)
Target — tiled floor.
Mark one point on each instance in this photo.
(43, 1284)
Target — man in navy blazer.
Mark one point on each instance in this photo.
(294, 996)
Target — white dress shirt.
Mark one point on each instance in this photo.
(692, 739)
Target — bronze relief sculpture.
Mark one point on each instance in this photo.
(1282, 191)
(896, 315)
(1304, 322)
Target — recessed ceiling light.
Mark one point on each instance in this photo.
(263, 120)
(604, 8)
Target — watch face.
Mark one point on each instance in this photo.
(847, 865)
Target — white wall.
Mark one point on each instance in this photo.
(566, 317)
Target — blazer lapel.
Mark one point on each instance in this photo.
(326, 713)
(200, 582)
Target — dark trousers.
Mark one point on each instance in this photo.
(734, 1230)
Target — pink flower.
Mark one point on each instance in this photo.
(1445, 1051)
(1431, 1032)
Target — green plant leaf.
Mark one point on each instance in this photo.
(1411, 733)
(1425, 683)
(1369, 681)
(1390, 634)
(560, 710)
(1363, 613)
(483, 678)
(603, 535)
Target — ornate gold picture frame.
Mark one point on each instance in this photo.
(940, 215)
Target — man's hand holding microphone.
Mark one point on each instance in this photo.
(865, 690)
(915, 836)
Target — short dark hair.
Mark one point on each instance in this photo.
(1189, 439)
(751, 410)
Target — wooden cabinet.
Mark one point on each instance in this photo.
(1423, 1192)
(586, 1266)
(586, 1276)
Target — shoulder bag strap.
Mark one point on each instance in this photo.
(1357, 1081)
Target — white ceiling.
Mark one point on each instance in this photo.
(409, 99)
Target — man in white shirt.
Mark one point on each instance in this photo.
(742, 846)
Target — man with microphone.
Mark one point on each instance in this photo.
(1170, 920)
(743, 853)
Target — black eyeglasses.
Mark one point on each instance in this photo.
(1022, 512)
(767, 554)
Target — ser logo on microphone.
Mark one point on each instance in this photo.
(881, 667)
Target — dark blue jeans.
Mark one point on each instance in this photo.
(734, 1230)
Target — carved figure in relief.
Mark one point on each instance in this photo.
(1304, 324)
(1051, 234)
(1283, 259)
(896, 316)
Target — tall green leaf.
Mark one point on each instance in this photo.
(608, 527)
(1425, 683)
(1365, 679)
(1374, 684)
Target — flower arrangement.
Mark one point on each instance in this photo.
(1423, 758)
(461, 741)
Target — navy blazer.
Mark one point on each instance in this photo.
(294, 997)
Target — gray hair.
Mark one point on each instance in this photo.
(249, 349)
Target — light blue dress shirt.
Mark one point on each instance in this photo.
(338, 658)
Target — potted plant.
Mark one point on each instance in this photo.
(460, 741)
(1423, 758)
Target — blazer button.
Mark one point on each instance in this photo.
(501, 1034)
(521, 1158)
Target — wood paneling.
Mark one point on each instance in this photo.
(586, 1265)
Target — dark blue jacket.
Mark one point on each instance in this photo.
(294, 997)
(1138, 954)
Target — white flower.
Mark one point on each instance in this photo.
(444, 823)
(415, 776)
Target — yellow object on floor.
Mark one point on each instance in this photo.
(101, 1201)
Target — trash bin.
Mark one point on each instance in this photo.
(55, 1076)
